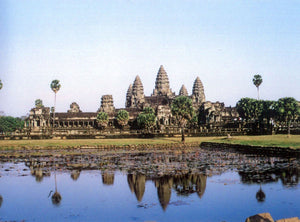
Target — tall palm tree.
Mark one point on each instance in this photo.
(56, 197)
(55, 86)
(1, 84)
(257, 80)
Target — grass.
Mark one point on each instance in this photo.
(293, 141)
(271, 140)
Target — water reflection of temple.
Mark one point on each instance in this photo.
(190, 183)
(136, 184)
(164, 185)
(108, 178)
(38, 171)
(184, 184)
(75, 174)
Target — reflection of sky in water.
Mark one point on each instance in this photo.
(88, 199)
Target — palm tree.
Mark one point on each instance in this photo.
(55, 86)
(257, 80)
(1, 84)
(39, 103)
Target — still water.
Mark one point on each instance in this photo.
(198, 185)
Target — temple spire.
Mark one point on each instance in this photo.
(128, 96)
(137, 88)
(162, 86)
(183, 91)
(137, 95)
(198, 95)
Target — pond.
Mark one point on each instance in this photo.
(194, 185)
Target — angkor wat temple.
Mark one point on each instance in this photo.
(76, 122)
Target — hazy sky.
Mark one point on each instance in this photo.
(98, 47)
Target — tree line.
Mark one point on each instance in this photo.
(10, 124)
(285, 110)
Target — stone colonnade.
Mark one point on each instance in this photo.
(75, 123)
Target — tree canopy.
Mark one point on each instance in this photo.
(146, 119)
(39, 103)
(55, 86)
(102, 119)
(122, 117)
(249, 109)
(10, 124)
(287, 109)
(182, 109)
(1, 84)
(257, 81)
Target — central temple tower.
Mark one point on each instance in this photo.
(162, 86)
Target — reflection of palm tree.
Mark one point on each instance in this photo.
(164, 185)
(56, 197)
(183, 184)
(137, 185)
(260, 195)
(1, 200)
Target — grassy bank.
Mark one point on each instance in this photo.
(271, 140)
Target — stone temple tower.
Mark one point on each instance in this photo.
(128, 96)
(198, 95)
(107, 104)
(162, 86)
(135, 94)
(183, 91)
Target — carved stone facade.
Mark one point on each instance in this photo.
(160, 100)
(198, 95)
(39, 118)
(162, 86)
(135, 94)
(183, 91)
(107, 104)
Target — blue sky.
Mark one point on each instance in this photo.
(98, 47)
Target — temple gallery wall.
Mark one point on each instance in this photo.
(213, 115)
